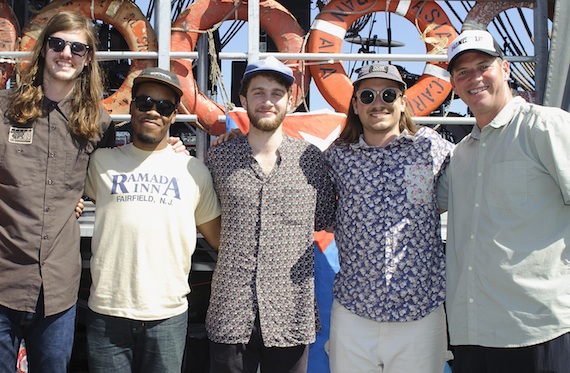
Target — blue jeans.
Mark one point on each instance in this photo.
(117, 344)
(49, 340)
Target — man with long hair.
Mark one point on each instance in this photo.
(387, 314)
(52, 122)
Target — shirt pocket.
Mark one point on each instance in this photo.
(76, 169)
(419, 184)
(507, 186)
(19, 165)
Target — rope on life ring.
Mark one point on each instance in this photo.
(202, 15)
(125, 16)
(8, 38)
(483, 13)
(328, 31)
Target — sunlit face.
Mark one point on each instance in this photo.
(379, 119)
(64, 65)
(481, 81)
(267, 102)
(150, 128)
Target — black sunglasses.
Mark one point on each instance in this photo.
(58, 44)
(147, 103)
(368, 96)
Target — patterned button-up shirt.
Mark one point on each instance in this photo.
(265, 260)
(392, 264)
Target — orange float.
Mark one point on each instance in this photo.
(329, 29)
(8, 38)
(125, 16)
(200, 16)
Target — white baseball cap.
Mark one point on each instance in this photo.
(472, 40)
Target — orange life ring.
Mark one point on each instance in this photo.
(277, 22)
(8, 38)
(328, 31)
(125, 16)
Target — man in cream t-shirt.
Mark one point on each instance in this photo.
(150, 200)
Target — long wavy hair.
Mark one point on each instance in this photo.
(353, 127)
(26, 99)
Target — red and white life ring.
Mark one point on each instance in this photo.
(8, 38)
(201, 15)
(125, 16)
(329, 29)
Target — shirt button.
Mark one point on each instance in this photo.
(476, 205)
(45, 237)
(472, 237)
(48, 209)
(483, 145)
(471, 300)
(50, 182)
(470, 268)
(51, 154)
(480, 174)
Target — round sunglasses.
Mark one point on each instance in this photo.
(147, 103)
(368, 96)
(58, 44)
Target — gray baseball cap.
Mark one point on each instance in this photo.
(161, 76)
(381, 71)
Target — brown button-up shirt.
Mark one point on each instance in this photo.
(265, 261)
(42, 174)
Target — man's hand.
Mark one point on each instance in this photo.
(79, 208)
(225, 137)
(178, 145)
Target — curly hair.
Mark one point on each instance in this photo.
(353, 127)
(26, 99)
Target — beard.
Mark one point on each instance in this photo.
(266, 124)
(146, 139)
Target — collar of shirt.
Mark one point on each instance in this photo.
(402, 138)
(502, 119)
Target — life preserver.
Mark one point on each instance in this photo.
(125, 16)
(8, 38)
(277, 22)
(328, 31)
(482, 13)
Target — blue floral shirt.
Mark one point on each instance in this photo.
(392, 263)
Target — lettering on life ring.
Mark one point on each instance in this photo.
(329, 29)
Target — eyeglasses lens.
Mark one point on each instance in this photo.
(58, 44)
(163, 107)
(368, 96)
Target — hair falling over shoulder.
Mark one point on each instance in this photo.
(26, 101)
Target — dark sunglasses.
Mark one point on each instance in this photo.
(368, 96)
(163, 107)
(58, 44)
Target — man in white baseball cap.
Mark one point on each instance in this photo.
(507, 190)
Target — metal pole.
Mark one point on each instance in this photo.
(253, 30)
(202, 138)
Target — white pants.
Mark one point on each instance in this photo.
(362, 345)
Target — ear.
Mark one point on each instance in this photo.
(404, 101)
(290, 103)
(506, 67)
(452, 81)
(243, 101)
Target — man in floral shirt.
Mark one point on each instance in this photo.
(388, 313)
(275, 191)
